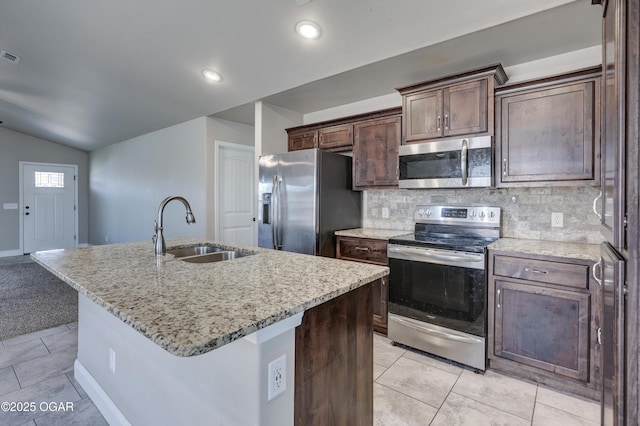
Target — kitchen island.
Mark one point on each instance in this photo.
(164, 341)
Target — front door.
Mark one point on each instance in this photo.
(49, 215)
(235, 194)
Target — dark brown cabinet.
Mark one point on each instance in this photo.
(548, 131)
(375, 153)
(543, 321)
(369, 251)
(453, 106)
(303, 139)
(336, 137)
(333, 135)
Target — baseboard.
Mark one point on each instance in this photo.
(7, 253)
(107, 408)
(84, 245)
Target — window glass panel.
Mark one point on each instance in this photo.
(49, 180)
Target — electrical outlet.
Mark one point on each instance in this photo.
(385, 212)
(277, 382)
(556, 220)
(112, 360)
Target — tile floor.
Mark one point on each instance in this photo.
(413, 389)
(410, 389)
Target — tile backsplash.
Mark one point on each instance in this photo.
(526, 212)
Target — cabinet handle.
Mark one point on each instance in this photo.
(599, 335)
(595, 204)
(438, 123)
(362, 248)
(504, 167)
(446, 121)
(535, 271)
(499, 298)
(598, 277)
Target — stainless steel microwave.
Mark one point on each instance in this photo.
(450, 163)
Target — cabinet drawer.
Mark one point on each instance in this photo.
(373, 251)
(544, 271)
(336, 137)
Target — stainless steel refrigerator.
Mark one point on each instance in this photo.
(304, 197)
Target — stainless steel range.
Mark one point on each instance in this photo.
(437, 284)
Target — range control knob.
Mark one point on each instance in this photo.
(421, 212)
(472, 213)
(481, 215)
(428, 212)
(492, 215)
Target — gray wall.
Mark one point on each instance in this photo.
(131, 178)
(526, 212)
(16, 147)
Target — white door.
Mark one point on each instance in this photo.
(235, 195)
(48, 203)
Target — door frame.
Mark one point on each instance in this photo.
(21, 165)
(217, 144)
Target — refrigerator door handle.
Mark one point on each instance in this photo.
(275, 214)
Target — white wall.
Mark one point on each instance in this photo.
(16, 147)
(271, 122)
(131, 178)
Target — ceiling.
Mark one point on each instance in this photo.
(97, 73)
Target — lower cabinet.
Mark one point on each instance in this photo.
(543, 320)
(374, 251)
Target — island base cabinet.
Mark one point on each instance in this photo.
(334, 362)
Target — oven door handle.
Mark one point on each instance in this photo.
(437, 333)
(464, 163)
(472, 260)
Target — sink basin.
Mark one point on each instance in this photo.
(194, 251)
(215, 257)
(205, 253)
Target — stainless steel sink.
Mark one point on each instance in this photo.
(194, 251)
(205, 254)
(215, 257)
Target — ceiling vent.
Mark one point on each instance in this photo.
(9, 57)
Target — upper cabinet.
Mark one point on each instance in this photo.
(375, 153)
(452, 106)
(548, 131)
(333, 135)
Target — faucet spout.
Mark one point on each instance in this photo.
(158, 238)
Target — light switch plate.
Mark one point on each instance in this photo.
(10, 206)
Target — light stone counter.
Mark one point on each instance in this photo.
(373, 233)
(548, 248)
(189, 308)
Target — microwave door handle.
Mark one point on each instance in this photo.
(463, 162)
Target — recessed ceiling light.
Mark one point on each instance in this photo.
(308, 29)
(212, 75)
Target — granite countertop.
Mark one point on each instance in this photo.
(189, 308)
(373, 233)
(582, 251)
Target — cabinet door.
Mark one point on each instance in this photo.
(303, 140)
(336, 137)
(423, 116)
(543, 327)
(380, 294)
(375, 153)
(549, 135)
(465, 108)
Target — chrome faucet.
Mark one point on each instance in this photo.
(158, 238)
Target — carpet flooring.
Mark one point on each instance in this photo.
(33, 299)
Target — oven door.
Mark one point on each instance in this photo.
(452, 163)
(442, 287)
